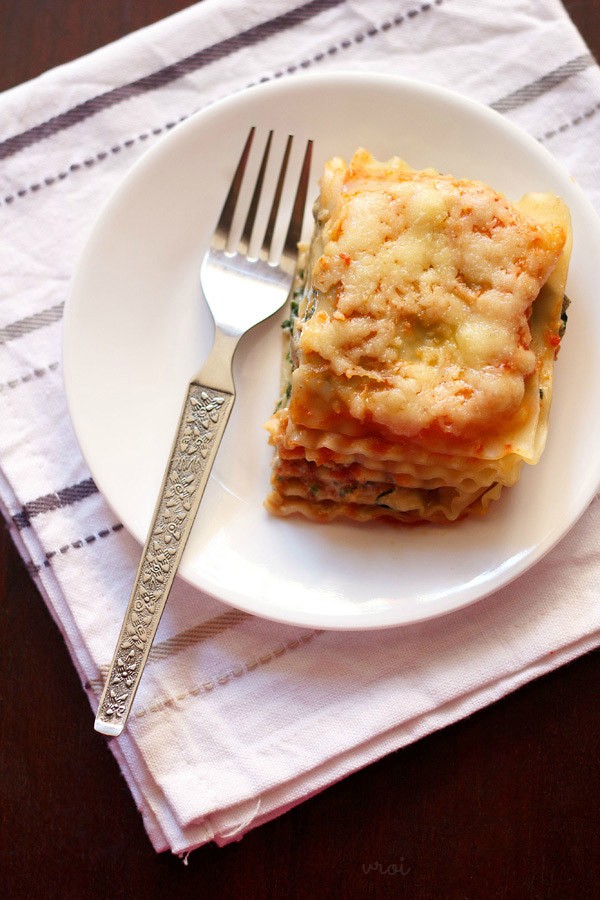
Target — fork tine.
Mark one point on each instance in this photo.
(226, 217)
(294, 232)
(244, 242)
(270, 230)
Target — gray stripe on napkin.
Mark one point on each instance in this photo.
(192, 636)
(245, 668)
(542, 85)
(301, 66)
(28, 377)
(198, 634)
(166, 75)
(57, 500)
(584, 116)
(31, 323)
(87, 541)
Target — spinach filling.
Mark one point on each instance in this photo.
(563, 316)
(290, 328)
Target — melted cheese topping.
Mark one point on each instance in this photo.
(425, 286)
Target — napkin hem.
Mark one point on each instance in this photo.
(410, 732)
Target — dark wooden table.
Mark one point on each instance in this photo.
(502, 805)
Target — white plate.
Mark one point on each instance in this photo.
(136, 330)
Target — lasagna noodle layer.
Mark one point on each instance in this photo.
(416, 508)
(346, 472)
(327, 448)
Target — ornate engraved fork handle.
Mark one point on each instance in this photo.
(206, 410)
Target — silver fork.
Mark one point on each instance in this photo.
(242, 287)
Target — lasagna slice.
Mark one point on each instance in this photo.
(421, 343)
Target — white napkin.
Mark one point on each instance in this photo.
(238, 719)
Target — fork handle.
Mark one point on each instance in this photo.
(202, 423)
